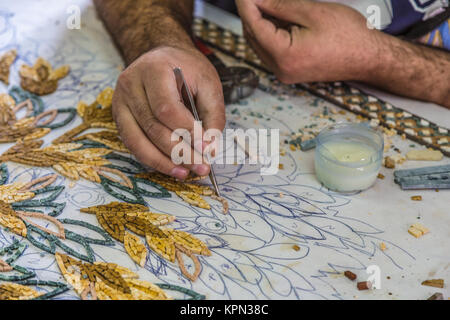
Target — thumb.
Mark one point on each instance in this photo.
(303, 12)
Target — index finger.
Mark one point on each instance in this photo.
(274, 40)
(164, 99)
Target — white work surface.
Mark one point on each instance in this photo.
(252, 246)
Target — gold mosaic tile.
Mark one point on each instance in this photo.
(6, 60)
(14, 291)
(189, 192)
(9, 219)
(135, 248)
(41, 78)
(106, 281)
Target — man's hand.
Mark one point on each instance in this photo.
(326, 41)
(153, 37)
(147, 106)
(331, 42)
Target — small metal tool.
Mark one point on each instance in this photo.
(237, 82)
(437, 177)
(187, 95)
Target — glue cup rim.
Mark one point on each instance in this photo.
(361, 129)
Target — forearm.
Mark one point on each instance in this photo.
(138, 26)
(411, 70)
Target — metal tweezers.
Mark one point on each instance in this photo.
(185, 92)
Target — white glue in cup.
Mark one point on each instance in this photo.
(348, 156)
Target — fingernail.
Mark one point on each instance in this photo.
(179, 173)
(200, 169)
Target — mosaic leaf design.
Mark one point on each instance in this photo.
(14, 291)
(96, 115)
(72, 164)
(9, 220)
(189, 192)
(106, 281)
(18, 285)
(47, 202)
(170, 244)
(14, 272)
(109, 139)
(19, 95)
(41, 78)
(16, 216)
(33, 125)
(135, 248)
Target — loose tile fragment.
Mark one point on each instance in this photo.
(420, 227)
(350, 275)
(437, 283)
(364, 285)
(414, 232)
(436, 296)
(417, 230)
(389, 163)
(425, 155)
(398, 158)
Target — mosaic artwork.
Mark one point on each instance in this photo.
(80, 218)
